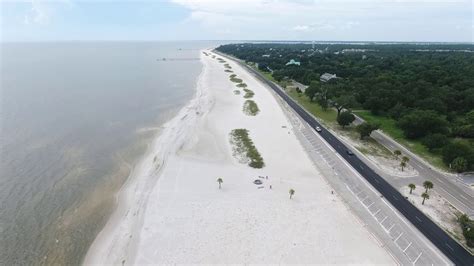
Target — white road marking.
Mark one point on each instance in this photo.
(399, 236)
(419, 255)
(407, 247)
(390, 229)
(449, 246)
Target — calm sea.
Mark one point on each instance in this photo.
(74, 118)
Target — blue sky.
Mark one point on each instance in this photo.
(338, 20)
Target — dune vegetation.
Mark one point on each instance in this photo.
(248, 93)
(244, 148)
(250, 108)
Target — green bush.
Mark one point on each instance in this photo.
(467, 226)
(457, 149)
(244, 145)
(250, 108)
(345, 118)
(236, 80)
(248, 93)
(366, 128)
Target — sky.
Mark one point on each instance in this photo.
(168, 20)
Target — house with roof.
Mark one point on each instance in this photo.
(293, 62)
(327, 77)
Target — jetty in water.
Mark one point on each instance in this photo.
(178, 59)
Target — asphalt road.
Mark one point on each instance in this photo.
(452, 249)
(450, 188)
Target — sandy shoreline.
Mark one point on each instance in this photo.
(171, 210)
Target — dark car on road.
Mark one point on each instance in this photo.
(349, 152)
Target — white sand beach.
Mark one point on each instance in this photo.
(171, 209)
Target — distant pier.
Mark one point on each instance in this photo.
(178, 59)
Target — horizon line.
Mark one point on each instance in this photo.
(248, 40)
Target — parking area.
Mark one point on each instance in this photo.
(390, 225)
(401, 239)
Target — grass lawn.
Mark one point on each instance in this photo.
(329, 116)
(389, 127)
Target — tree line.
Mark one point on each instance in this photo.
(428, 89)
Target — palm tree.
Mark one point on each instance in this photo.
(405, 159)
(397, 153)
(403, 165)
(427, 185)
(292, 192)
(412, 187)
(219, 180)
(425, 196)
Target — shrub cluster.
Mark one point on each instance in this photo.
(250, 108)
(248, 93)
(243, 145)
(467, 229)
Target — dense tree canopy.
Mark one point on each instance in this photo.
(427, 88)
(420, 123)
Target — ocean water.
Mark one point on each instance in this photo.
(74, 118)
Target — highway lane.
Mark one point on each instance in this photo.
(452, 249)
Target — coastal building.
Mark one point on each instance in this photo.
(327, 77)
(293, 62)
(300, 86)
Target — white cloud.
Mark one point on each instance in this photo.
(403, 20)
(38, 14)
(303, 28)
(42, 11)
